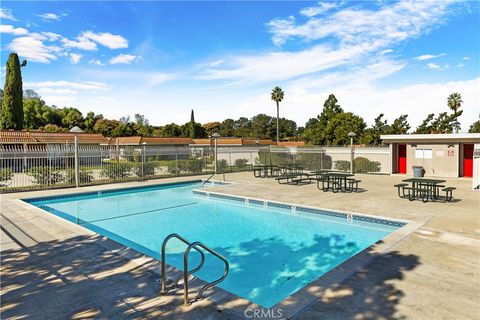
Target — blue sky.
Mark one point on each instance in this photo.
(162, 59)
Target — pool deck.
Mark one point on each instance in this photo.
(54, 269)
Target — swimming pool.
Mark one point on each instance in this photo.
(273, 250)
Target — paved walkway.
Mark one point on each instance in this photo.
(53, 269)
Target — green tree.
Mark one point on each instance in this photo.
(243, 127)
(336, 132)
(90, 121)
(315, 128)
(142, 125)
(11, 111)
(171, 130)
(400, 125)
(262, 126)
(72, 117)
(227, 129)
(372, 135)
(475, 127)
(277, 96)
(211, 127)
(105, 126)
(191, 126)
(32, 113)
(454, 102)
(426, 126)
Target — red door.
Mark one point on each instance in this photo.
(402, 158)
(468, 160)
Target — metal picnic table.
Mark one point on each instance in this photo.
(264, 170)
(336, 181)
(430, 186)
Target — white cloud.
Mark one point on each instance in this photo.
(122, 59)
(32, 48)
(461, 65)
(389, 24)
(12, 30)
(7, 14)
(51, 16)
(466, 58)
(52, 36)
(321, 8)
(106, 39)
(75, 58)
(435, 66)
(84, 85)
(362, 35)
(80, 43)
(96, 62)
(429, 56)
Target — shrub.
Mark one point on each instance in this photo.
(189, 165)
(5, 175)
(241, 163)
(46, 175)
(360, 165)
(116, 170)
(148, 169)
(222, 165)
(342, 165)
(85, 176)
(363, 165)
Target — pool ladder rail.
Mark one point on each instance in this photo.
(197, 246)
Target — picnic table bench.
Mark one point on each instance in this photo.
(294, 178)
(424, 188)
(337, 181)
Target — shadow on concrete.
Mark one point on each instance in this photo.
(80, 278)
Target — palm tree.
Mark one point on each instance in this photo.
(454, 102)
(277, 96)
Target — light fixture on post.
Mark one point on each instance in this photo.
(215, 136)
(352, 135)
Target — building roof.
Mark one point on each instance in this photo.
(432, 138)
(39, 137)
(291, 144)
(233, 142)
(150, 141)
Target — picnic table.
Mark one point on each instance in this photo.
(294, 178)
(265, 170)
(426, 188)
(335, 181)
(290, 168)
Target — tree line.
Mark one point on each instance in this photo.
(26, 110)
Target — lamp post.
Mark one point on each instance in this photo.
(352, 135)
(215, 136)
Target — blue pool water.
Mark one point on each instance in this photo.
(272, 252)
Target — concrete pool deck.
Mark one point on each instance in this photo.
(55, 269)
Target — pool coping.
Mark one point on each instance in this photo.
(294, 304)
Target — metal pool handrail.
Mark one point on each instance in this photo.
(185, 270)
(164, 244)
(205, 181)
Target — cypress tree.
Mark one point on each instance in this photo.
(11, 111)
(192, 126)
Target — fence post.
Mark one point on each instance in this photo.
(176, 163)
(77, 163)
(143, 161)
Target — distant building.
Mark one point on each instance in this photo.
(441, 155)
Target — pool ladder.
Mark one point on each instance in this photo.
(197, 246)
